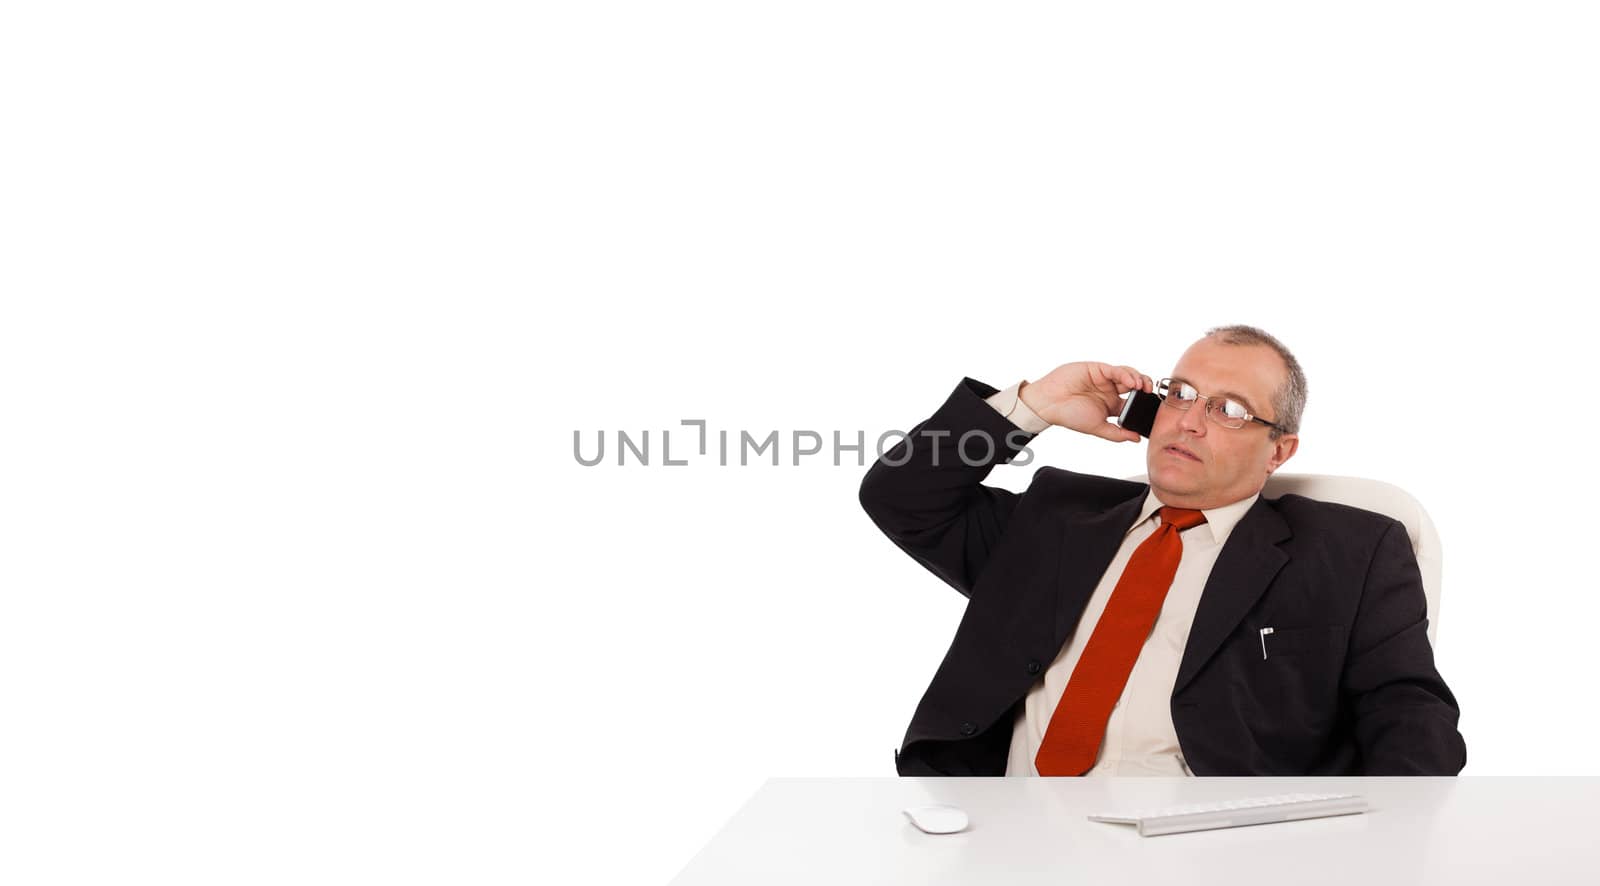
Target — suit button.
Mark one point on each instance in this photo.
(1033, 667)
(968, 728)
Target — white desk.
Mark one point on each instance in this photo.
(1033, 830)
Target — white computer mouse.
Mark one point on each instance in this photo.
(937, 819)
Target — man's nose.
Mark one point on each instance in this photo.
(1193, 421)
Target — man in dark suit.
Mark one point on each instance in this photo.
(1286, 637)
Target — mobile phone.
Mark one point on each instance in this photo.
(1139, 412)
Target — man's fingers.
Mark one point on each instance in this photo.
(1130, 379)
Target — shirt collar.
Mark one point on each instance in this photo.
(1220, 520)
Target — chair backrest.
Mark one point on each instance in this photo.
(1372, 495)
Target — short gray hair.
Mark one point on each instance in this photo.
(1289, 401)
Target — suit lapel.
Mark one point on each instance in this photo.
(1245, 566)
(1089, 543)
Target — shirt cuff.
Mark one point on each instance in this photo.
(1008, 404)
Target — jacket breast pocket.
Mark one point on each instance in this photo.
(1326, 643)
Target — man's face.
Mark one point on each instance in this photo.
(1193, 462)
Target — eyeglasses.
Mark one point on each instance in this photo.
(1228, 413)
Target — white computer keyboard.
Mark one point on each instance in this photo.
(1236, 813)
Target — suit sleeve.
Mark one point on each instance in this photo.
(927, 494)
(1405, 714)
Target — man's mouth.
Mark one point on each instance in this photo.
(1183, 453)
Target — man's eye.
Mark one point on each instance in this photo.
(1234, 410)
(1187, 393)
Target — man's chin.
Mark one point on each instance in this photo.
(1170, 483)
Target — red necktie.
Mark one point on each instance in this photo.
(1078, 726)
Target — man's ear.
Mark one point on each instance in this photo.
(1283, 448)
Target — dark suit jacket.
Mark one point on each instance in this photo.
(1349, 687)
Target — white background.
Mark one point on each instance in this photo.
(303, 304)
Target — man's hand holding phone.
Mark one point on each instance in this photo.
(1081, 396)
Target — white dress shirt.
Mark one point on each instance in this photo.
(1140, 738)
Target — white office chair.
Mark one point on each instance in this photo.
(1372, 495)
